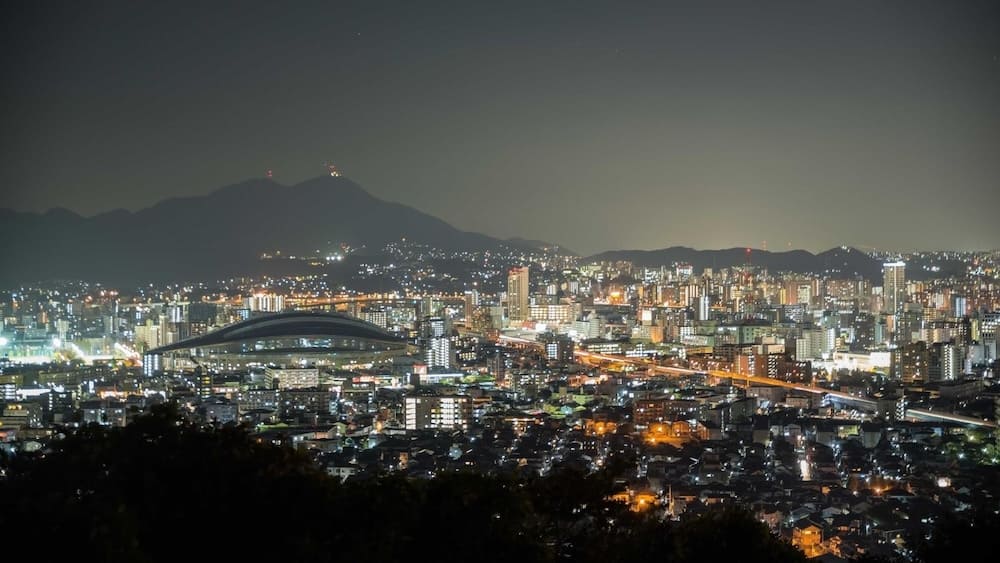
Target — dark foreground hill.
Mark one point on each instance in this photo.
(165, 490)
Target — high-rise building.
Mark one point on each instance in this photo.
(959, 306)
(798, 290)
(151, 364)
(430, 306)
(893, 286)
(471, 302)
(558, 347)
(811, 345)
(909, 322)
(910, 363)
(148, 336)
(438, 353)
(433, 327)
(704, 307)
(517, 294)
(946, 361)
(988, 326)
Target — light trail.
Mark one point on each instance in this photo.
(649, 364)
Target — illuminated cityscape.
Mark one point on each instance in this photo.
(371, 357)
(800, 396)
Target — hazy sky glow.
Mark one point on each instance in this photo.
(595, 125)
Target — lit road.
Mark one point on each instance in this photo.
(370, 298)
(649, 364)
(665, 370)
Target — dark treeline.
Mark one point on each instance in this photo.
(163, 489)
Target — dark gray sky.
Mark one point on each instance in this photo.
(594, 125)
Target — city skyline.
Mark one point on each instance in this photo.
(595, 127)
(567, 281)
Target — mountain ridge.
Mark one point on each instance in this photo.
(220, 234)
(224, 233)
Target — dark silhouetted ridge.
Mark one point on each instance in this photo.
(219, 234)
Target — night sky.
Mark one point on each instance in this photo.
(593, 125)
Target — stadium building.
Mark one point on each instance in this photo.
(291, 339)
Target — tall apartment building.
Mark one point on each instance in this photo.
(438, 412)
(518, 288)
(893, 286)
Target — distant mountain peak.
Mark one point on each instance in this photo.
(219, 234)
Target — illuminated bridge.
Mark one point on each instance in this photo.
(287, 339)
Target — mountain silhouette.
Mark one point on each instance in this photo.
(226, 232)
(217, 235)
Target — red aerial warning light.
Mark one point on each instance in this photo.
(269, 173)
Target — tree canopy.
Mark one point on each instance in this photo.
(165, 489)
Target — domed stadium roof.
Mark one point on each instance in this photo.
(295, 324)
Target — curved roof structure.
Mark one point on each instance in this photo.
(295, 324)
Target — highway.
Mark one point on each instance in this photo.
(665, 370)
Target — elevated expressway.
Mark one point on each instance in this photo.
(655, 368)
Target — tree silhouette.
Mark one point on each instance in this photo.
(729, 534)
(155, 489)
(969, 539)
(164, 489)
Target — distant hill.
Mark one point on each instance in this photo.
(224, 234)
(216, 235)
(846, 262)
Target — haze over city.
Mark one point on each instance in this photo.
(593, 125)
